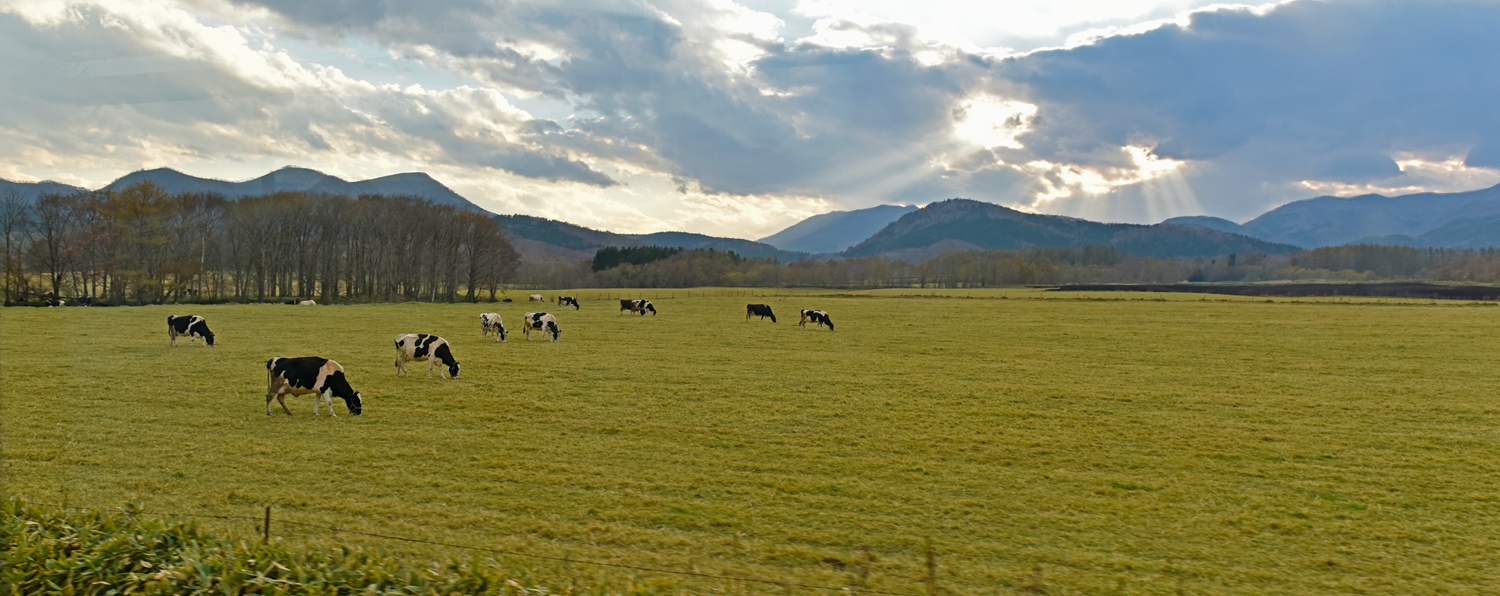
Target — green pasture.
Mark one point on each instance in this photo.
(1043, 443)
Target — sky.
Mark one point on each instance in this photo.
(740, 118)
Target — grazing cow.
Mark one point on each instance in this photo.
(492, 324)
(421, 346)
(815, 316)
(540, 321)
(567, 301)
(507, 300)
(193, 326)
(83, 301)
(307, 303)
(57, 302)
(536, 298)
(309, 374)
(637, 306)
(761, 310)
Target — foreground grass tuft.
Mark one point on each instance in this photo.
(52, 551)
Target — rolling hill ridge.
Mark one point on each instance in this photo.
(958, 224)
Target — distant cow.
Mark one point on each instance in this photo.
(57, 302)
(307, 303)
(540, 321)
(83, 301)
(421, 346)
(492, 324)
(759, 310)
(567, 301)
(536, 298)
(507, 300)
(309, 374)
(815, 316)
(637, 306)
(193, 326)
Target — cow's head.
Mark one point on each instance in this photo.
(552, 327)
(650, 308)
(453, 370)
(208, 338)
(503, 333)
(339, 385)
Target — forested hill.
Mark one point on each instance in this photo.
(959, 224)
(415, 184)
(1460, 219)
(29, 191)
(542, 237)
(835, 231)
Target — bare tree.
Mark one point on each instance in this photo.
(15, 224)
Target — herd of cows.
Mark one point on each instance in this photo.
(326, 380)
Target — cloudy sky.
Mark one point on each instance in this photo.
(738, 118)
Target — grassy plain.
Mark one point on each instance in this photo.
(1044, 443)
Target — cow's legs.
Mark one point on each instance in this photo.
(269, 396)
(430, 362)
(328, 397)
(280, 399)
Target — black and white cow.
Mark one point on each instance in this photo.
(541, 321)
(492, 324)
(760, 310)
(815, 316)
(57, 302)
(83, 301)
(565, 301)
(421, 346)
(637, 306)
(193, 326)
(309, 374)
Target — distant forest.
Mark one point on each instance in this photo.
(140, 245)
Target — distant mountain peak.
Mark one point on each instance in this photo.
(835, 231)
(299, 179)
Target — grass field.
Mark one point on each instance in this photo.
(1043, 443)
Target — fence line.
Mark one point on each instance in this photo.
(930, 579)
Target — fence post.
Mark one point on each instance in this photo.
(267, 535)
(931, 570)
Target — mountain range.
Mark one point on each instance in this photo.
(962, 224)
(285, 179)
(1458, 220)
(1463, 219)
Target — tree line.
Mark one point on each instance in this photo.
(141, 245)
(1039, 266)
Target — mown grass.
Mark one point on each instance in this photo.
(1045, 444)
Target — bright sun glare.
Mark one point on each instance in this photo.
(992, 121)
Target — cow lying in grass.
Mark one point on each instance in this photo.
(540, 321)
(309, 374)
(193, 326)
(492, 325)
(815, 316)
(421, 346)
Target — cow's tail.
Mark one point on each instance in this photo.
(269, 365)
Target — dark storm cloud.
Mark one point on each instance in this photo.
(1309, 91)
